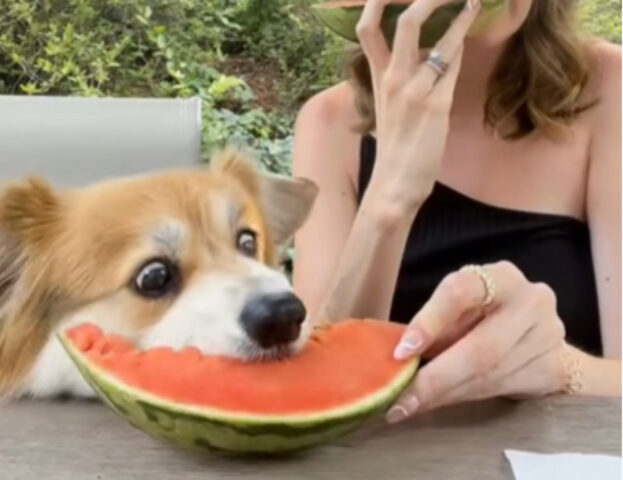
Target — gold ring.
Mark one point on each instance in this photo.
(487, 281)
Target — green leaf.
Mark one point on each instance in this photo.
(224, 85)
(30, 89)
(45, 65)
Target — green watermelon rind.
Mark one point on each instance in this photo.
(343, 20)
(204, 428)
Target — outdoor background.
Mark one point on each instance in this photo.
(252, 62)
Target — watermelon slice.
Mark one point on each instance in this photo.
(345, 375)
(342, 16)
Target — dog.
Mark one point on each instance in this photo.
(177, 258)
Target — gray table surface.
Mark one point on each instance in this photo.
(85, 441)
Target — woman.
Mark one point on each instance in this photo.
(500, 150)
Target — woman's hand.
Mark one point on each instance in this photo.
(412, 101)
(355, 275)
(515, 348)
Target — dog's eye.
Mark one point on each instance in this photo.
(156, 279)
(247, 243)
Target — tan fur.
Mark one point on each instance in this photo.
(234, 163)
(30, 211)
(28, 221)
(62, 250)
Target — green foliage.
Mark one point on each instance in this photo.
(266, 133)
(101, 47)
(167, 48)
(182, 48)
(286, 33)
(602, 17)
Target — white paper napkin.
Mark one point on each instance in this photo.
(563, 466)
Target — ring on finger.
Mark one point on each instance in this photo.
(487, 282)
(437, 62)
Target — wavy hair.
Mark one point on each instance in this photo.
(537, 85)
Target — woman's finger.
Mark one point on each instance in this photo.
(539, 340)
(439, 100)
(453, 333)
(524, 327)
(406, 44)
(371, 37)
(450, 44)
(457, 294)
(480, 351)
(443, 91)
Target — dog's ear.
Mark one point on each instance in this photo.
(286, 201)
(28, 217)
(29, 213)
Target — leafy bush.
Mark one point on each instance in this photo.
(265, 132)
(285, 36)
(602, 17)
(286, 33)
(101, 47)
(167, 48)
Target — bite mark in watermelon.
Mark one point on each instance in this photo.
(342, 16)
(345, 375)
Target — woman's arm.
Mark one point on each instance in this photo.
(604, 197)
(349, 261)
(597, 376)
(335, 234)
(518, 349)
(488, 361)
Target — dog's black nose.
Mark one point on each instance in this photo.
(273, 319)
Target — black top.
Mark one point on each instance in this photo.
(452, 230)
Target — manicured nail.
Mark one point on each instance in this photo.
(411, 402)
(396, 414)
(473, 4)
(409, 346)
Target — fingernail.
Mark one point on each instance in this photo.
(473, 4)
(408, 346)
(396, 414)
(411, 403)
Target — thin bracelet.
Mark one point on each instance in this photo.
(573, 373)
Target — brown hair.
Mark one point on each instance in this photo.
(537, 85)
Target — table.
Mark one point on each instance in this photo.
(85, 441)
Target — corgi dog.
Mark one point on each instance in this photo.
(176, 259)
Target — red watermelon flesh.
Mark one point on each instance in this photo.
(339, 366)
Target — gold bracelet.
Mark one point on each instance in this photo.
(573, 373)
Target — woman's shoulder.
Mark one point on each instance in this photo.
(326, 124)
(334, 106)
(604, 84)
(607, 53)
(604, 119)
(605, 70)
